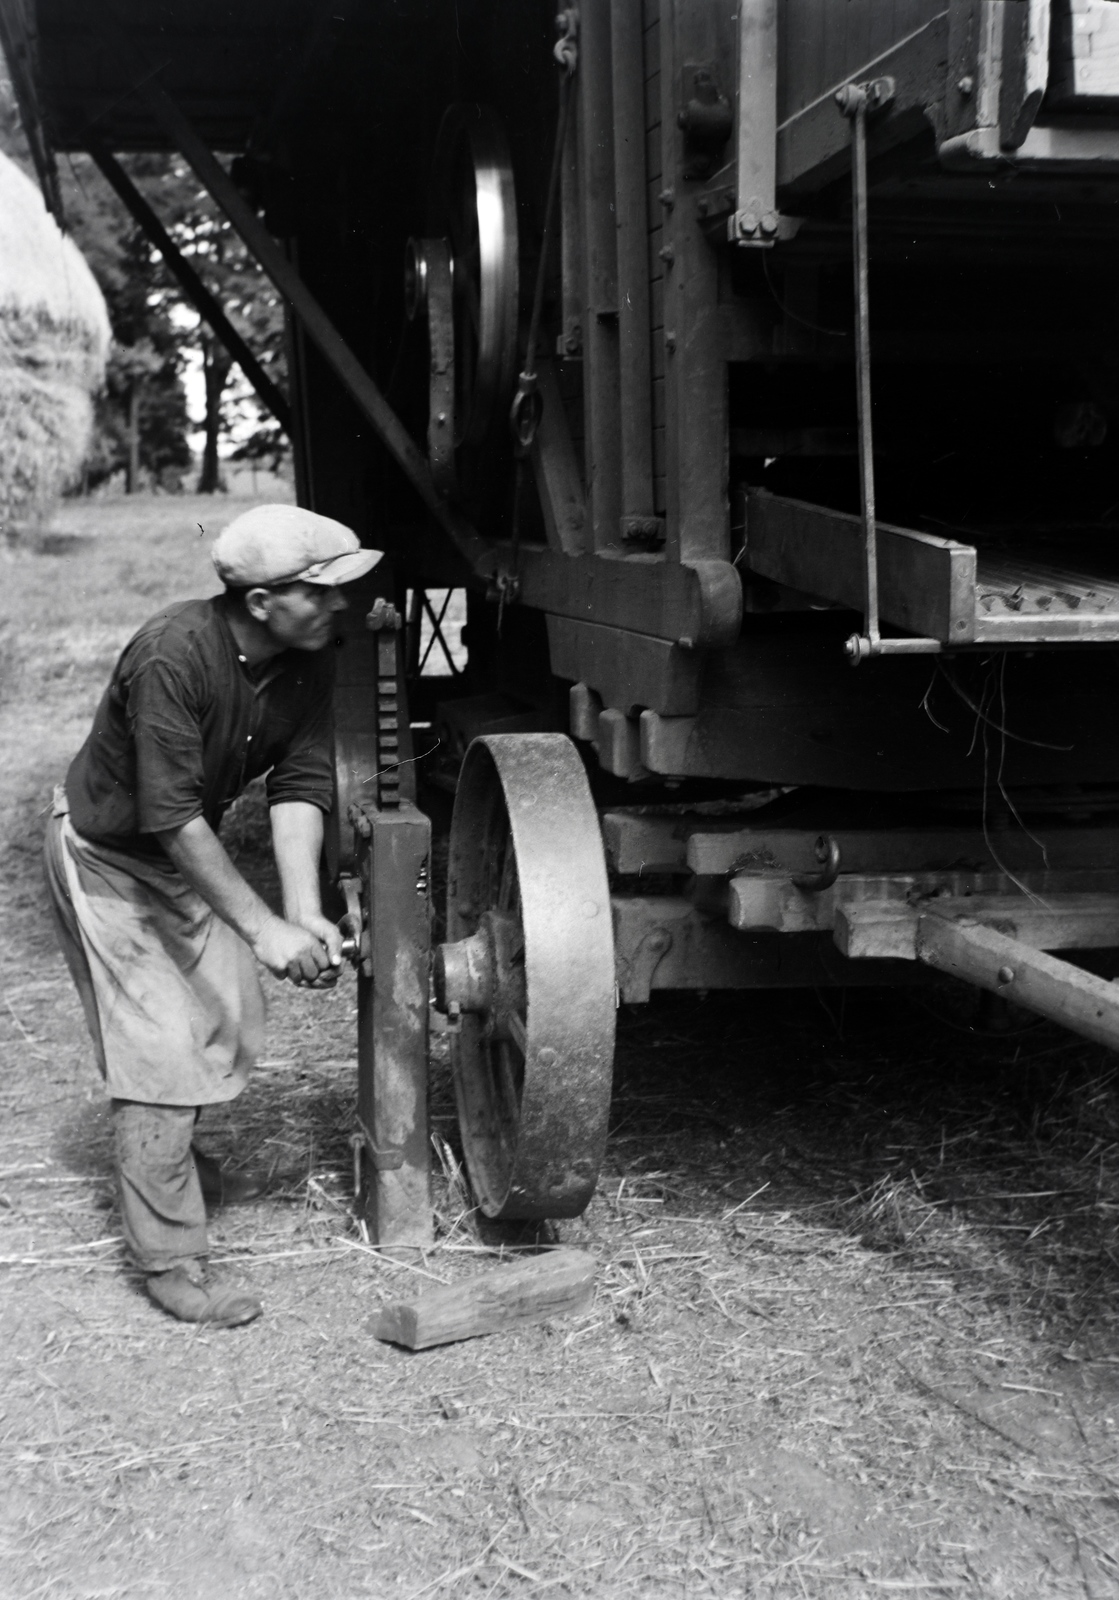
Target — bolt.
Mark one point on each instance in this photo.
(667, 198)
(966, 86)
(746, 224)
(1006, 975)
(667, 254)
(669, 340)
(769, 224)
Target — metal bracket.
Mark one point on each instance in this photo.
(429, 292)
(644, 961)
(827, 854)
(387, 1160)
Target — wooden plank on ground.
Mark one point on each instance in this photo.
(531, 1290)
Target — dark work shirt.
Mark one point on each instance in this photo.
(185, 725)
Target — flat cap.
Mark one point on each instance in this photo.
(286, 544)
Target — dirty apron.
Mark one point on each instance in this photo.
(170, 992)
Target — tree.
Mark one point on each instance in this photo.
(142, 420)
(232, 275)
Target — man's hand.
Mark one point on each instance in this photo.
(328, 934)
(306, 956)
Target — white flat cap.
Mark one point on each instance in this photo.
(286, 544)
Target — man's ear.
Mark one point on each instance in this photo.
(257, 604)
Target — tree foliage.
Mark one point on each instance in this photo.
(142, 420)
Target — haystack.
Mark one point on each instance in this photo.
(54, 340)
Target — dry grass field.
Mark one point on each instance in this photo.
(856, 1328)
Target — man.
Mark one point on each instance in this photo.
(160, 931)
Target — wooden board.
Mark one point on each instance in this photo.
(664, 942)
(889, 928)
(530, 1290)
(627, 669)
(695, 604)
(936, 588)
(1056, 989)
(813, 138)
(1084, 53)
(926, 585)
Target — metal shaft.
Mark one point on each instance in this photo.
(862, 363)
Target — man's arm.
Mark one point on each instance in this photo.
(297, 833)
(286, 949)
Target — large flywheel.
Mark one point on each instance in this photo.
(465, 277)
(529, 967)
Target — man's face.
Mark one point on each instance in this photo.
(300, 616)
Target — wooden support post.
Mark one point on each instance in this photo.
(556, 470)
(638, 520)
(189, 281)
(318, 326)
(600, 289)
(1079, 1000)
(570, 344)
(695, 39)
(392, 1026)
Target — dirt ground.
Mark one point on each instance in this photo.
(856, 1326)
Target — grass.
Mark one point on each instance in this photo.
(855, 1324)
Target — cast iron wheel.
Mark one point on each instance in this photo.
(530, 964)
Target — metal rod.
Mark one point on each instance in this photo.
(862, 365)
(189, 281)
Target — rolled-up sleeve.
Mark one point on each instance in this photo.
(167, 737)
(305, 769)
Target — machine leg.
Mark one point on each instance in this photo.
(392, 1027)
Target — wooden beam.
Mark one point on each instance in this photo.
(664, 942)
(925, 584)
(1052, 921)
(191, 284)
(556, 470)
(629, 670)
(318, 326)
(601, 405)
(706, 850)
(695, 604)
(1056, 989)
(814, 142)
(533, 1289)
(694, 39)
(632, 225)
(392, 1027)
